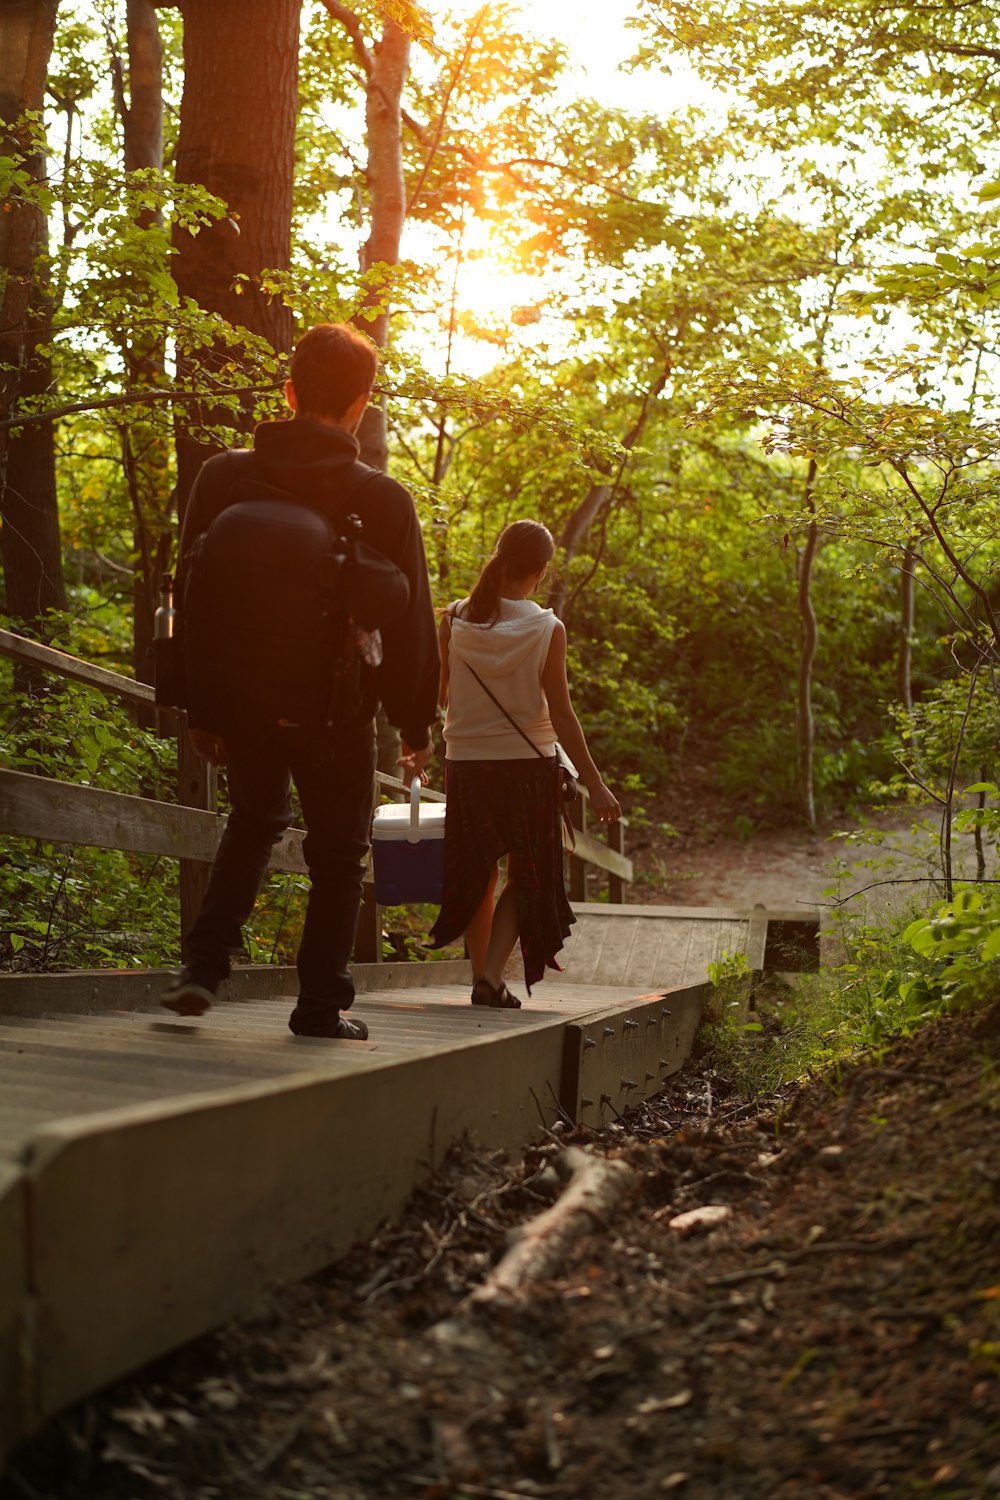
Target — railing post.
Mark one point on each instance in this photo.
(368, 938)
(197, 786)
(616, 841)
(578, 867)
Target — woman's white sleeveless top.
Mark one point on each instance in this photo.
(509, 656)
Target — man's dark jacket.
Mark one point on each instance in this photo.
(318, 463)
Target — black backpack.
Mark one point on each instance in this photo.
(282, 611)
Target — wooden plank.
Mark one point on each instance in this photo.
(596, 853)
(698, 913)
(86, 990)
(618, 940)
(582, 951)
(709, 941)
(577, 866)
(15, 1401)
(198, 787)
(643, 970)
(61, 812)
(261, 1184)
(616, 842)
(30, 653)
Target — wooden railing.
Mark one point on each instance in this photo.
(34, 806)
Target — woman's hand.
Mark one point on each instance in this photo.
(604, 803)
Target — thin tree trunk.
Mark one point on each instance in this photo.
(29, 538)
(145, 452)
(904, 658)
(385, 66)
(598, 497)
(387, 211)
(807, 654)
(237, 138)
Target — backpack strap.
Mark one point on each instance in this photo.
(358, 476)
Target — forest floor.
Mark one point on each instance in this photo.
(830, 1332)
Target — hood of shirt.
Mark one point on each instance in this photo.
(500, 649)
(305, 457)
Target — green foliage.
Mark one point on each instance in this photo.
(959, 946)
(893, 983)
(64, 908)
(729, 321)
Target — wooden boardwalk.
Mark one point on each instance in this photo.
(157, 1176)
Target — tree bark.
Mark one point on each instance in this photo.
(390, 62)
(145, 453)
(904, 658)
(807, 655)
(29, 540)
(237, 138)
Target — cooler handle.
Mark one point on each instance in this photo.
(413, 832)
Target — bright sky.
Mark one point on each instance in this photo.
(599, 42)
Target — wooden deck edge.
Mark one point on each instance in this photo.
(15, 1405)
(151, 1224)
(697, 913)
(85, 990)
(783, 941)
(617, 1056)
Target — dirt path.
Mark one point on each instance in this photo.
(879, 869)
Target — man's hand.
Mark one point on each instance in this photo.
(413, 761)
(212, 747)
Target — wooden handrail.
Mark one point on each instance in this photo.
(62, 812)
(29, 653)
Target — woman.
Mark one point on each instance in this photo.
(502, 776)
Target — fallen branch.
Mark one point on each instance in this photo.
(593, 1189)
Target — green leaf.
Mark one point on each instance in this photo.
(411, 18)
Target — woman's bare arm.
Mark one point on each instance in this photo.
(444, 640)
(567, 727)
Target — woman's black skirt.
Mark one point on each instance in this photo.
(500, 807)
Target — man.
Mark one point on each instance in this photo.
(314, 455)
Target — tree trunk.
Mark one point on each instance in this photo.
(145, 454)
(390, 63)
(807, 654)
(237, 138)
(29, 540)
(904, 656)
(598, 497)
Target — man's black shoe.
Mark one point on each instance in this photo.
(330, 1023)
(186, 997)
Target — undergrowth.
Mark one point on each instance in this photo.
(894, 982)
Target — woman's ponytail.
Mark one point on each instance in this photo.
(523, 548)
(484, 601)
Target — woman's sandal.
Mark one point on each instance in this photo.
(497, 997)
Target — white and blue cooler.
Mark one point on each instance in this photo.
(408, 851)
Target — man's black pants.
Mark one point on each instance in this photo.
(335, 783)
